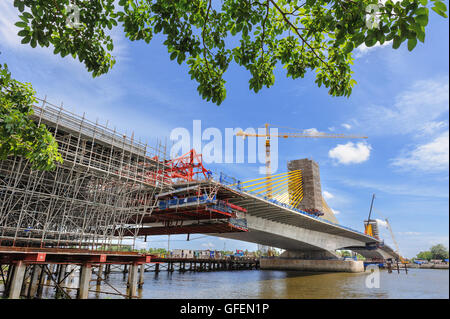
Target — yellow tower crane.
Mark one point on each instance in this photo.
(267, 135)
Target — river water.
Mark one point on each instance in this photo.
(240, 284)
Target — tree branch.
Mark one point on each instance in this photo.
(297, 32)
(203, 38)
(264, 29)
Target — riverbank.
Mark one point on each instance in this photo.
(428, 266)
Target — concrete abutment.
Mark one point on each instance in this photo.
(332, 265)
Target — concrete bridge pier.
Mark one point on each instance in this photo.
(321, 261)
(141, 276)
(17, 280)
(85, 278)
(133, 280)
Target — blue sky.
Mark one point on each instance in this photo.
(400, 103)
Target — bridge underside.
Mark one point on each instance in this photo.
(384, 252)
(298, 249)
(269, 239)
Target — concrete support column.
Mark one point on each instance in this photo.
(60, 279)
(99, 274)
(125, 271)
(133, 280)
(107, 269)
(141, 276)
(40, 285)
(17, 280)
(85, 278)
(7, 283)
(35, 278)
(71, 277)
(49, 275)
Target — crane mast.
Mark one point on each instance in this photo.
(268, 166)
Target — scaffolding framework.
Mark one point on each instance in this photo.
(104, 187)
(192, 209)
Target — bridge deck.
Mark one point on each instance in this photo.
(282, 213)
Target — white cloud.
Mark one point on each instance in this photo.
(409, 233)
(362, 50)
(433, 127)
(8, 31)
(381, 223)
(351, 153)
(336, 212)
(208, 245)
(347, 126)
(327, 195)
(432, 156)
(399, 189)
(312, 131)
(141, 245)
(420, 109)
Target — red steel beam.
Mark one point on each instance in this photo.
(49, 255)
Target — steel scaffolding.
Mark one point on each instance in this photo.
(104, 188)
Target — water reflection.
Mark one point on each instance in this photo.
(418, 283)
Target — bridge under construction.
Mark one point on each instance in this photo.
(111, 188)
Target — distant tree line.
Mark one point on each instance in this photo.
(436, 252)
(163, 251)
(347, 253)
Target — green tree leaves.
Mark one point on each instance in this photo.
(19, 135)
(45, 23)
(438, 251)
(425, 255)
(412, 44)
(300, 35)
(440, 8)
